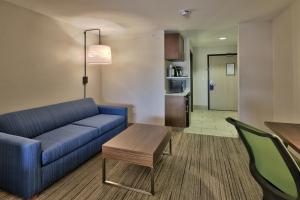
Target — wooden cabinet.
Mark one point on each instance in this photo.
(174, 47)
(177, 111)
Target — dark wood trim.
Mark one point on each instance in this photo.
(208, 77)
(191, 79)
(208, 73)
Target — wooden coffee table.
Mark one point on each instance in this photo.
(139, 144)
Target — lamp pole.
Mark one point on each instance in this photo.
(85, 78)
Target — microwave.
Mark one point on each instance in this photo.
(177, 86)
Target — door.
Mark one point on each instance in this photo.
(223, 82)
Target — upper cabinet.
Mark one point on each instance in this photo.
(174, 47)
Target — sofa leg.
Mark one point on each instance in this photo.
(35, 197)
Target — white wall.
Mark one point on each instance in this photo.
(136, 77)
(41, 60)
(256, 78)
(200, 71)
(286, 42)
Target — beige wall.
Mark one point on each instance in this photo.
(41, 60)
(275, 92)
(200, 70)
(42, 63)
(136, 77)
(286, 42)
(256, 78)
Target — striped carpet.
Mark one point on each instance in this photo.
(201, 167)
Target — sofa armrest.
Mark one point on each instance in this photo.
(20, 165)
(114, 110)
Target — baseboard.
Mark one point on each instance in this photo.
(202, 107)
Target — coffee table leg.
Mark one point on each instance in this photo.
(170, 146)
(124, 186)
(103, 170)
(152, 181)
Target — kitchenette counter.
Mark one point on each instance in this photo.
(186, 92)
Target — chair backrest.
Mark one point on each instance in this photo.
(36, 121)
(270, 162)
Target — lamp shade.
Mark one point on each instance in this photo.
(99, 54)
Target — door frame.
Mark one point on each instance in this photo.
(208, 73)
(191, 79)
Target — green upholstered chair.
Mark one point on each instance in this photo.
(270, 163)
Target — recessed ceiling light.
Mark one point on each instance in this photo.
(223, 38)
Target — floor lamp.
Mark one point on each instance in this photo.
(95, 54)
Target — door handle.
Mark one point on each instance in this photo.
(211, 85)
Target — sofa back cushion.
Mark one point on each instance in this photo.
(34, 122)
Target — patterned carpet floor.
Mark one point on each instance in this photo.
(201, 167)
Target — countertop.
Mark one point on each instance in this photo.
(186, 92)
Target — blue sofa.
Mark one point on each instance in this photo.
(41, 145)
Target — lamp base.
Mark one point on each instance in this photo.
(85, 80)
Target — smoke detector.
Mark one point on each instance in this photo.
(185, 12)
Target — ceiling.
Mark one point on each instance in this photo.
(210, 38)
(209, 19)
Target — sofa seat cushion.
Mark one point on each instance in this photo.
(102, 122)
(59, 142)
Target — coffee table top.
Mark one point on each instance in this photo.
(138, 144)
(139, 138)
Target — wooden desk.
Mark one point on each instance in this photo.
(289, 133)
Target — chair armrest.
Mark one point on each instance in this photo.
(20, 165)
(114, 110)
